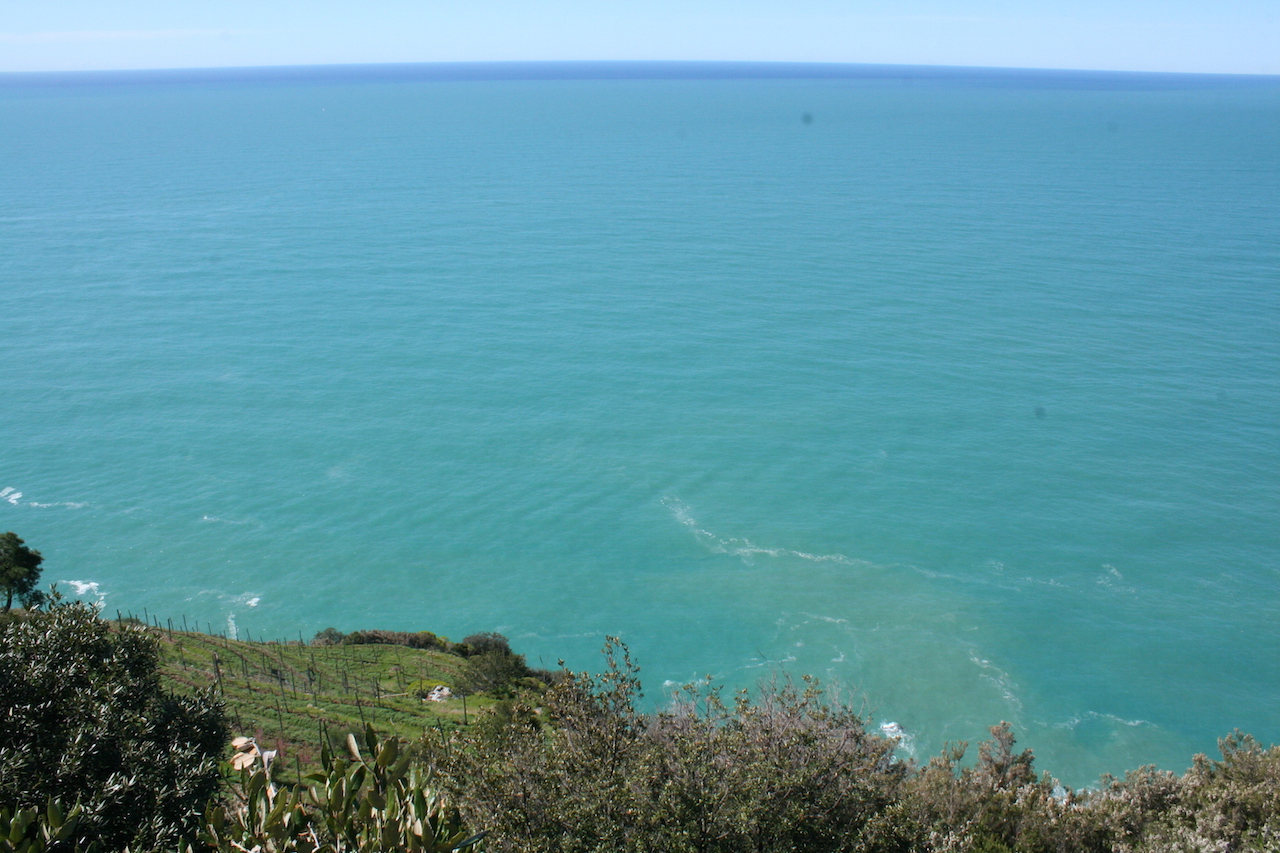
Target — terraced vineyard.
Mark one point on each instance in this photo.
(287, 695)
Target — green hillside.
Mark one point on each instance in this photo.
(285, 694)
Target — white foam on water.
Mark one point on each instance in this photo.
(677, 508)
(742, 548)
(1113, 580)
(534, 635)
(766, 662)
(244, 599)
(1000, 678)
(906, 740)
(1052, 582)
(67, 504)
(10, 494)
(834, 620)
(87, 588)
(1094, 715)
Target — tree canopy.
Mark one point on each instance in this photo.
(84, 720)
(19, 569)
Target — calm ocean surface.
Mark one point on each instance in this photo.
(959, 390)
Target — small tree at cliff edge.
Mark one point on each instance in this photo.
(19, 568)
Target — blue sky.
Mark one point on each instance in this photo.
(1230, 36)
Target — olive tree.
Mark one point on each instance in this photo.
(84, 721)
(19, 568)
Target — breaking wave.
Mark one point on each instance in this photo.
(87, 589)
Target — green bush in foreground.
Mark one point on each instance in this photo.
(999, 804)
(793, 771)
(587, 772)
(84, 722)
(95, 757)
(36, 830)
(375, 803)
(1227, 805)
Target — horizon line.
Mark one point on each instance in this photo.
(606, 69)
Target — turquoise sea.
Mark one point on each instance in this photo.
(958, 389)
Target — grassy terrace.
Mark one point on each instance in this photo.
(285, 694)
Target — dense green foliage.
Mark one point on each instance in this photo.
(413, 640)
(997, 805)
(374, 803)
(95, 755)
(84, 720)
(1229, 805)
(587, 772)
(19, 570)
(494, 669)
(582, 770)
(32, 830)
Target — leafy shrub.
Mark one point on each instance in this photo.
(328, 637)
(379, 803)
(83, 720)
(485, 643)
(1232, 804)
(39, 830)
(999, 805)
(493, 668)
(415, 640)
(95, 757)
(789, 772)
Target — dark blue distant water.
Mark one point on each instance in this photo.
(960, 389)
